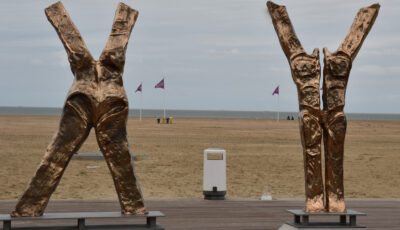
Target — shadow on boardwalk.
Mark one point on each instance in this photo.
(232, 214)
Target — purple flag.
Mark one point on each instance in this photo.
(160, 84)
(276, 91)
(139, 88)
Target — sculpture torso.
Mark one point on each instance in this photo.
(336, 75)
(101, 84)
(306, 75)
(100, 81)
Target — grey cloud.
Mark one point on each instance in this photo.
(215, 54)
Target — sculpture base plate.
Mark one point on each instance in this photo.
(302, 220)
(291, 227)
(81, 217)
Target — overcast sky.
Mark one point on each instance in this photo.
(215, 54)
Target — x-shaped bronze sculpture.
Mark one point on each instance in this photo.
(96, 100)
(329, 123)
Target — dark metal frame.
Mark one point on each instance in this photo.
(302, 219)
(151, 219)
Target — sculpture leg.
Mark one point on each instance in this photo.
(111, 136)
(334, 136)
(73, 130)
(311, 135)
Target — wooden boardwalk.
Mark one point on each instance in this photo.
(232, 214)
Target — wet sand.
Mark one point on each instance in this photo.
(263, 156)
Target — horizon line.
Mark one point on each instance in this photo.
(214, 110)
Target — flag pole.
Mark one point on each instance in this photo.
(278, 109)
(276, 91)
(164, 98)
(141, 103)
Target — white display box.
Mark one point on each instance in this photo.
(214, 173)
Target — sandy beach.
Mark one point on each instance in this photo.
(263, 156)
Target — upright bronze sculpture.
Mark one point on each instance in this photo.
(96, 100)
(329, 123)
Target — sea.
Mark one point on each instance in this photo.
(43, 111)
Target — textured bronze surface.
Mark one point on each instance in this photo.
(328, 124)
(96, 100)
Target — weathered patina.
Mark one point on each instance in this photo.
(328, 124)
(96, 100)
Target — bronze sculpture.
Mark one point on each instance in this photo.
(329, 123)
(96, 100)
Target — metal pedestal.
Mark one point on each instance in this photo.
(151, 221)
(302, 220)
